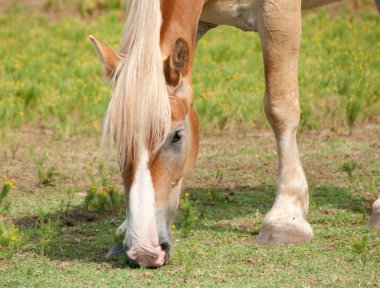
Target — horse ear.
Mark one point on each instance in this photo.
(108, 57)
(177, 63)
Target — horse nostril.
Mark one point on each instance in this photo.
(126, 248)
(165, 246)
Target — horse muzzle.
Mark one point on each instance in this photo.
(148, 257)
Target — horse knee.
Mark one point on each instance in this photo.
(282, 112)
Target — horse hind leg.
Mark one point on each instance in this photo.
(279, 27)
(122, 228)
(374, 220)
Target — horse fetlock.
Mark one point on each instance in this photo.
(282, 111)
(294, 194)
(284, 227)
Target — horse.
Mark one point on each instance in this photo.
(153, 125)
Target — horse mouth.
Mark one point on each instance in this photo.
(151, 257)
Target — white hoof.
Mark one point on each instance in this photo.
(284, 229)
(374, 220)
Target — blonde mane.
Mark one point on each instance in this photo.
(138, 115)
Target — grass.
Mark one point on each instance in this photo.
(47, 72)
(102, 196)
(50, 113)
(229, 196)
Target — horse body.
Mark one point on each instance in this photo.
(243, 14)
(162, 139)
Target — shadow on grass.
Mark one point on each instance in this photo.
(88, 236)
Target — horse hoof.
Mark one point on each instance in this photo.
(374, 220)
(285, 233)
(115, 251)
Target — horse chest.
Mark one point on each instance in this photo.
(238, 13)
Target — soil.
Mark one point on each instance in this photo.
(227, 159)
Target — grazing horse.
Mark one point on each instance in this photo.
(153, 124)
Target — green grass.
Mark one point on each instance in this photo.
(230, 192)
(52, 100)
(50, 75)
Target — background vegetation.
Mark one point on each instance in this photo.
(61, 199)
(50, 76)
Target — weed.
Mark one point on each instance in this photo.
(349, 167)
(65, 204)
(102, 196)
(45, 176)
(215, 195)
(306, 115)
(222, 122)
(219, 175)
(47, 231)
(48, 177)
(186, 260)
(14, 146)
(187, 216)
(11, 239)
(6, 186)
(352, 111)
(361, 249)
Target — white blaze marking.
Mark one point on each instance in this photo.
(142, 219)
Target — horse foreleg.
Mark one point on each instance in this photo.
(279, 26)
(374, 220)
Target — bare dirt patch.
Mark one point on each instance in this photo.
(75, 217)
(227, 161)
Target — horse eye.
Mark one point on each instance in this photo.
(177, 136)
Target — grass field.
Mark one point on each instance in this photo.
(50, 76)
(52, 100)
